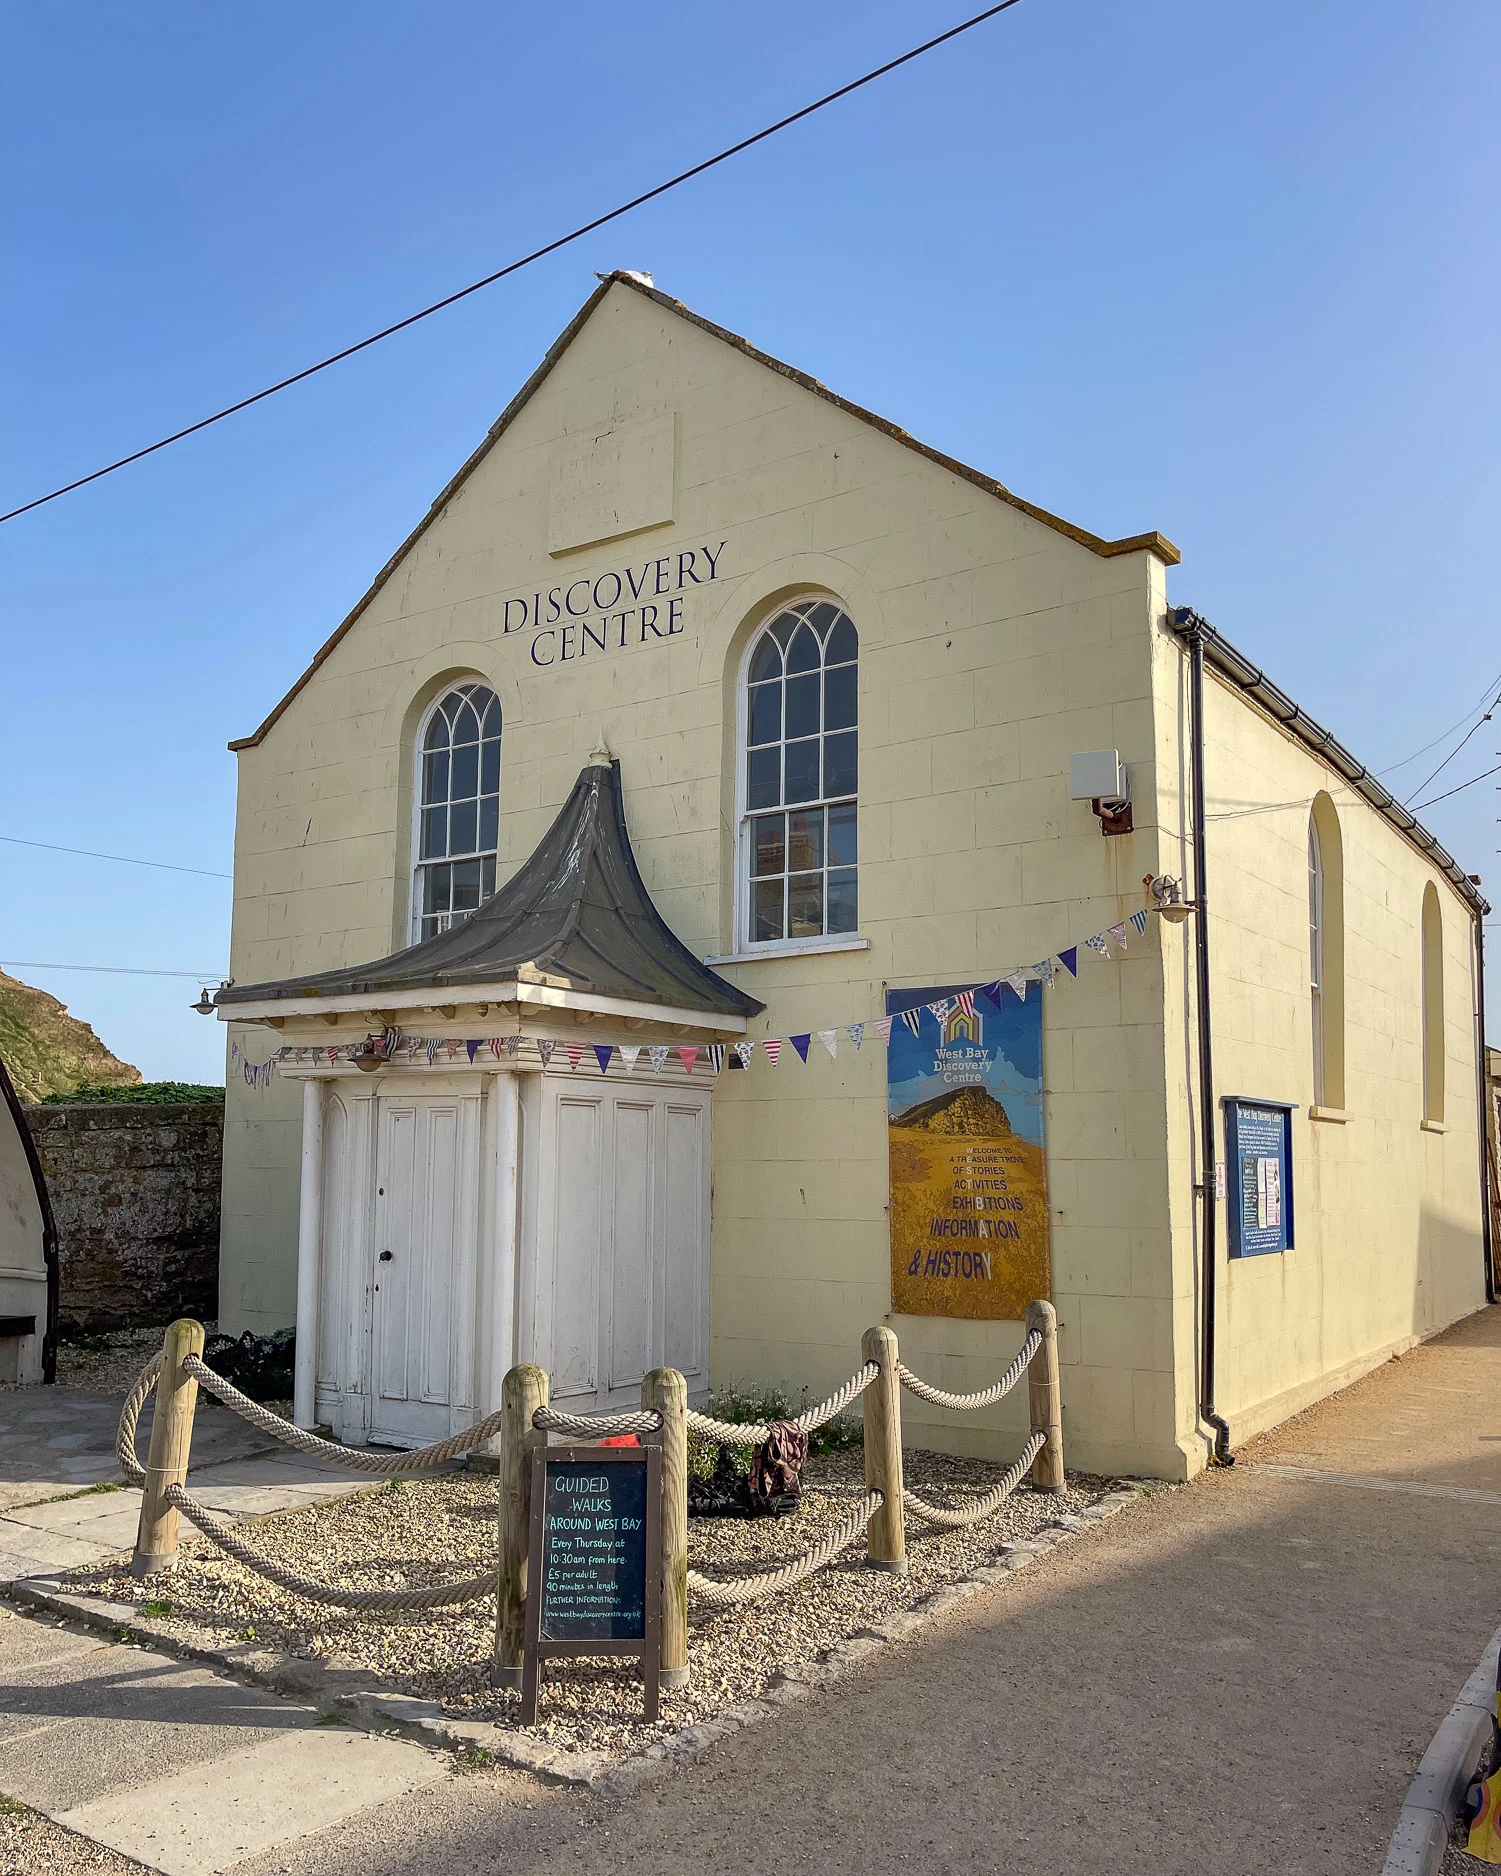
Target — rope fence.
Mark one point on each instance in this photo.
(176, 1374)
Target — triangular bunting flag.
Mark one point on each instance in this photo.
(474, 1045)
(941, 1008)
(688, 1057)
(1118, 933)
(1097, 943)
(913, 1020)
(882, 1027)
(628, 1054)
(773, 1048)
(574, 1052)
(966, 1001)
(830, 1040)
(1018, 981)
(800, 1043)
(1139, 920)
(1069, 959)
(659, 1055)
(545, 1049)
(746, 1052)
(433, 1046)
(1044, 971)
(856, 1034)
(497, 1043)
(715, 1053)
(602, 1053)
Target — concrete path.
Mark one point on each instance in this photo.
(57, 1449)
(1236, 1677)
(169, 1764)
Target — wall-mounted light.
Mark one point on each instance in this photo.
(375, 1051)
(205, 1003)
(1168, 900)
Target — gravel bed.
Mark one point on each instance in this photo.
(438, 1530)
(102, 1364)
(32, 1845)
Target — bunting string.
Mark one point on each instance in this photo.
(716, 1057)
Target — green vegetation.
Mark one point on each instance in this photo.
(758, 1405)
(46, 1050)
(145, 1093)
(156, 1608)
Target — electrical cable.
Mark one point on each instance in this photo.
(110, 970)
(551, 247)
(124, 859)
(1454, 751)
(1457, 791)
(1392, 767)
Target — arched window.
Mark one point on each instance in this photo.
(1326, 953)
(1433, 1006)
(458, 807)
(799, 778)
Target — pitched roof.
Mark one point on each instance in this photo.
(1152, 543)
(577, 915)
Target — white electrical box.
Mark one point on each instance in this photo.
(1098, 775)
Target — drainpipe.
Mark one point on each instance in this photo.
(1192, 625)
(1487, 1171)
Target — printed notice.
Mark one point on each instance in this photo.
(969, 1189)
(594, 1551)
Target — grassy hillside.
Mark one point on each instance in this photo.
(49, 1052)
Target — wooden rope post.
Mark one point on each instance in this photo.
(886, 1534)
(522, 1392)
(171, 1444)
(1047, 1399)
(665, 1391)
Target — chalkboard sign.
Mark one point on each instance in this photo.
(594, 1562)
(1259, 1196)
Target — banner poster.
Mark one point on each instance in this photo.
(969, 1188)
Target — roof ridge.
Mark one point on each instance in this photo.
(1151, 542)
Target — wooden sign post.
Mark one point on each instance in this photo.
(595, 1561)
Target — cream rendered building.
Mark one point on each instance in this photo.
(605, 568)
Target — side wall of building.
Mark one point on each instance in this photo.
(992, 647)
(1387, 1220)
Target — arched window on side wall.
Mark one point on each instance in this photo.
(1433, 1006)
(799, 778)
(457, 808)
(1326, 952)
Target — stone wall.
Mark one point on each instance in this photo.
(135, 1190)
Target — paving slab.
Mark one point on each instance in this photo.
(211, 1818)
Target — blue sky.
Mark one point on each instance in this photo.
(1226, 274)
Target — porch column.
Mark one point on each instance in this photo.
(309, 1247)
(502, 1146)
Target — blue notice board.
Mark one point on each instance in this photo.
(1259, 1186)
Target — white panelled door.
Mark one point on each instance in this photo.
(618, 1236)
(426, 1215)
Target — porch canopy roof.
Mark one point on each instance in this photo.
(575, 929)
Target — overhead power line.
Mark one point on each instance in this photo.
(1489, 691)
(123, 859)
(110, 970)
(1457, 791)
(1456, 749)
(537, 254)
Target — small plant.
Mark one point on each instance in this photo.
(156, 1608)
(473, 1759)
(396, 1485)
(9, 1808)
(247, 1633)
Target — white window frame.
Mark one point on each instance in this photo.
(414, 896)
(745, 949)
(1316, 954)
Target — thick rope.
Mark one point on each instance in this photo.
(130, 1414)
(394, 1601)
(742, 1433)
(596, 1426)
(982, 1507)
(719, 1595)
(353, 1458)
(986, 1397)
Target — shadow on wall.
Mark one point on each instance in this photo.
(135, 1191)
(1449, 1270)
